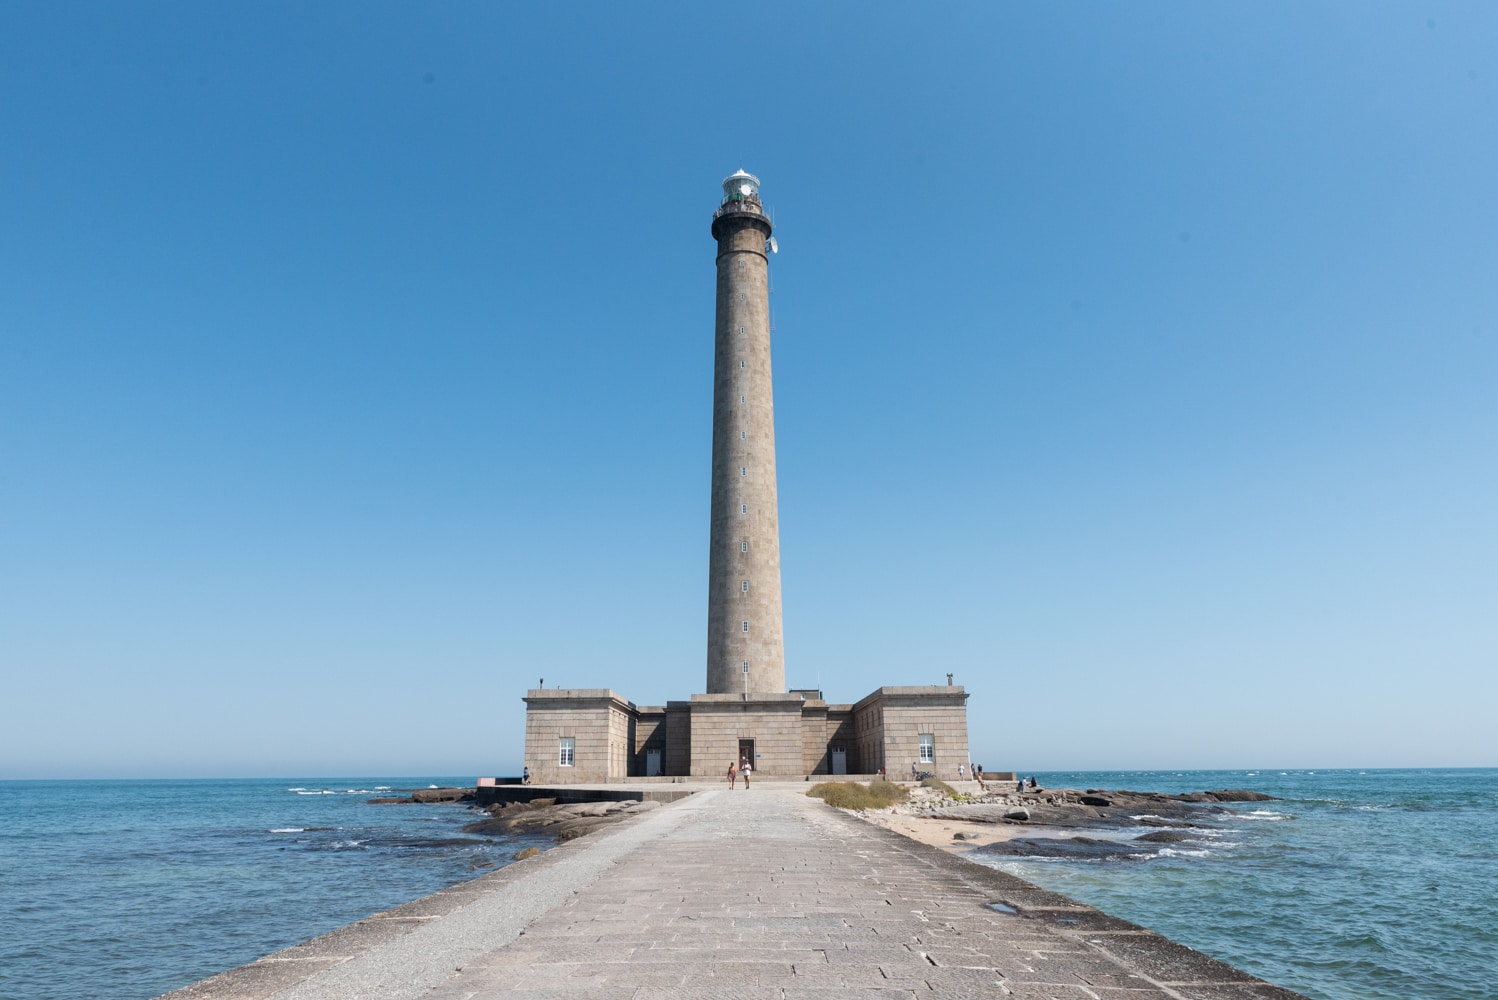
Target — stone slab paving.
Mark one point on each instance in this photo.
(759, 895)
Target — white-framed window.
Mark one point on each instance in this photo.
(743, 364)
(745, 586)
(746, 666)
(743, 508)
(741, 399)
(928, 748)
(746, 626)
(566, 753)
(743, 546)
(743, 435)
(743, 470)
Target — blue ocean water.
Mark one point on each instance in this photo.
(1356, 885)
(128, 889)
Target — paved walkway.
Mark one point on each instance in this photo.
(759, 894)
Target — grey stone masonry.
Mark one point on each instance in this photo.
(745, 647)
(894, 723)
(763, 894)
(580, 734)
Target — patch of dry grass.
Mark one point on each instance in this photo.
(851, 795)
(940, 786)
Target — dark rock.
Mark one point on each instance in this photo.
(1238, 795)
(442, 795)
(1166, 837)
(1095, 800)
(1018, 815)
(1079, 848)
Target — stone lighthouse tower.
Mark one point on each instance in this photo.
(745, 652)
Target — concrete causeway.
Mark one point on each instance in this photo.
(759, 894)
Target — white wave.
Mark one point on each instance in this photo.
(1169, 852)
(288, 829)
(296, 789)
(1268, 815)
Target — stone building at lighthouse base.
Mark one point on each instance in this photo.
(597, 735)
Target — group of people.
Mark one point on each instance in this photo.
(742, 767)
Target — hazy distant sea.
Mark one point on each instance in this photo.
(1357, 886)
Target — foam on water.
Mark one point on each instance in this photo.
(1359, 885)
(162, 883)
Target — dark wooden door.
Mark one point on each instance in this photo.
(746, 753)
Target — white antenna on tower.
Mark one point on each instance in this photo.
(774, 247)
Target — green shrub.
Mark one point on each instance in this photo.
(851, 795)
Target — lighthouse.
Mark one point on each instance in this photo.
(745, 645)
(747, 714)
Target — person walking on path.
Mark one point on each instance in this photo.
(733, 774)
(747, 771)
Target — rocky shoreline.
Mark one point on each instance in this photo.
(1054, 823)
(543, 815)
(565, 822)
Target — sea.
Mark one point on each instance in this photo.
(1351, 885)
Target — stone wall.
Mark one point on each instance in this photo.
(678, 737)
(793, 733)
(600, 724)
(772, 721)
(889, 723)
(840, 733)
(650, 734)
(814, 737)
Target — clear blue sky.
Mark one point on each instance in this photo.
(1136, 363)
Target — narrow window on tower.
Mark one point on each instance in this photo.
(745, 586)
(741, 262)
(746, 666)
(741, 296)
(743, 470)
(741, 398)
(743, 508)
(743, 435)
(743, 364)
(743, 546)
(746, 626)
(741, 329)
